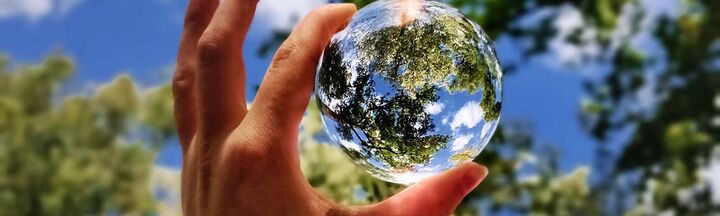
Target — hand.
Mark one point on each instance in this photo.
(245, 162)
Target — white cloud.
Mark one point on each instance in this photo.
(461, 141)
(409, 178)
(32, 9)
(711, 174)
(568, 20)
(434, 108)
(166, 181)
(417, 125)
(36, 9)
(285, 14)
(350, 145)
(469, 115)
(486, 130)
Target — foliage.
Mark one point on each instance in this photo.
(395, 118)
(675, 134)
(92, 154)
(78, 155)
(430, 53)
(329, 171)
(412, 62)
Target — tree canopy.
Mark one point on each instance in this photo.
(414, 62)
(91, 154)
(77, 155)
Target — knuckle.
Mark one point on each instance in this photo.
(244, 155)
(214, 44)
(288, 49)
(292, 56)
(208, 46)
(183, 80)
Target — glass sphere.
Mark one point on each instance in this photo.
(409, 89)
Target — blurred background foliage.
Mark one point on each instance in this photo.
(77, 154)
(91, 154)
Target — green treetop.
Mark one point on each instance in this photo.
(445, 52)
(76, 155)
(415, 61)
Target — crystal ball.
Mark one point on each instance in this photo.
(409, 89)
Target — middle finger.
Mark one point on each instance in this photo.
(221, 77)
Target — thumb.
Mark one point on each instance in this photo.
(437, 195)
(288, 83)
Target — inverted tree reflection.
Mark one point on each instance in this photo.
(413, 63)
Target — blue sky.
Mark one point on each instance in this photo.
(140, 37)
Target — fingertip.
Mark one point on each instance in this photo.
(349, 11)
(335, 15)
(349, 7)
(437, 195)
(342, 7)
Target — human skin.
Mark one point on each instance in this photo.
(239, 161)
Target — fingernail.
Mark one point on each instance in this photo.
(473, 177)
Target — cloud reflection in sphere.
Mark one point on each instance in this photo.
(409, 89)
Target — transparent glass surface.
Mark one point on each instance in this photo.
(409, 89)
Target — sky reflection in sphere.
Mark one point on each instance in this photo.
(408, 91)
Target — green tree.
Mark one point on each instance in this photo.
(675, 137)
(88, 155)
(670, 141)
(77, 155)
(367, 115)
(443, 53)
(550, 192)
(414, 61)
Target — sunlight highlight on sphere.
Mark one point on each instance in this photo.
(408, 92)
